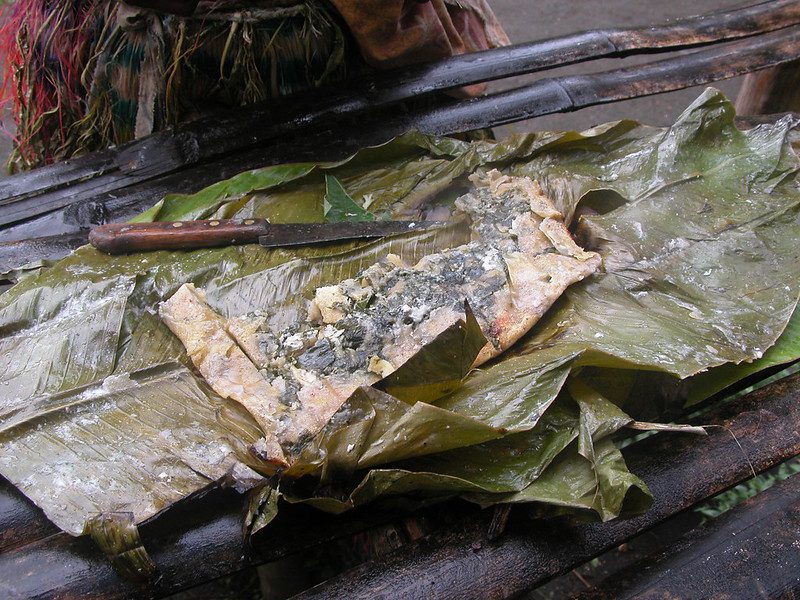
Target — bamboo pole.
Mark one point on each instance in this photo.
(749, 552)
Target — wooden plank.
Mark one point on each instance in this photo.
(749, 552)
(51, 188)
(44, 248)
(193, 542)
(22, 522)
(604, 566)
(770, 91)
(680, 471)
(201, 539)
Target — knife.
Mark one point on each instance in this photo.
(119, 238)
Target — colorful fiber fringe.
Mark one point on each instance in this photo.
(86, 74)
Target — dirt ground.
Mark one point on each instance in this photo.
(527, 20)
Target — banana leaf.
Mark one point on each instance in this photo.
(117, 536)
(132, 443)
(128, 415)
(786, 350)
(544, 465)
(697, 224)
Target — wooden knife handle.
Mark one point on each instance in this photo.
(119, 238)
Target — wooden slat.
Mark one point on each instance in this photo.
(46, 248)
(771, 90)
(749, 552)
(200, 540)
(573, 92)
(195, 542)
(20, 521)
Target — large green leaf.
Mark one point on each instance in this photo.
(701, 261)
(60, 337)
(785, 350)
(505, 465)
(698, 228)
(133, 443)
(540, 465)
(605, 487)
(375, 428)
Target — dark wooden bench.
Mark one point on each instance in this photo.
(751, 552)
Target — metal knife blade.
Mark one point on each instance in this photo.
(302, 234)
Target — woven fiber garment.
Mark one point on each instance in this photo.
(83, 75)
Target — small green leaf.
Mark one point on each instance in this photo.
(339, 206)
(202, 204)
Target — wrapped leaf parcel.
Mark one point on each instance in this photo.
(102, 411)
(411, 330)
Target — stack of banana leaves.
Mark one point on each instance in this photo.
(103, 414)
